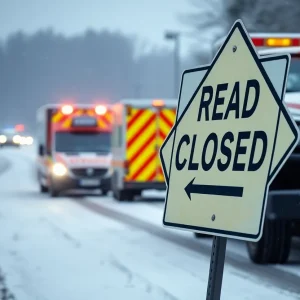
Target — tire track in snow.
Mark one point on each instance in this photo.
(269, 274)
(5, 293)
(5, 164)
(130, 276)
(63, 233)
(27, 286)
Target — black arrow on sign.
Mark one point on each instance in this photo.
(220, 190)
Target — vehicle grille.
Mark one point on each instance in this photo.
(297, 149)
(84, 172)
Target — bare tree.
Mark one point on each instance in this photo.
(46, 67)
(212, 19)
(208, 22)
(265, 15)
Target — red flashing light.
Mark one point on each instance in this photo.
(258, 42)
(19, 127)
(295, 42)
(67, 109)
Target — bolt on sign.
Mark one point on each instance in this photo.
(228, 142)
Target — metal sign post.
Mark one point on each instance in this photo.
(217, 261)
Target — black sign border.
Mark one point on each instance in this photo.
(238, 25)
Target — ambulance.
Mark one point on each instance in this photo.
(282, 220)
(139, 128)
(74, 148)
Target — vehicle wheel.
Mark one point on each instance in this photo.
(136, 193)
(130, 195)
(123, 195)
(104, 192)
(43, 189)
(274, 246)
(119, 195)
(54, 192)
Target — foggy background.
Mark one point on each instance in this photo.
(98, 50)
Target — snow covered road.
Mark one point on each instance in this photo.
(96, 248)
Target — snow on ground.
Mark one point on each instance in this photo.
(56, 249)
(145, 211)
(235, 246)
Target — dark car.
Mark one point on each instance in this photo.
(9, 138)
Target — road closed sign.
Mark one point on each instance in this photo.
(224, 145)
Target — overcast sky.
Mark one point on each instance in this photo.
(146, 18)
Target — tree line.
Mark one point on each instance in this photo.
(49, 68)
(210, 20)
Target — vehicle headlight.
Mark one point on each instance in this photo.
(22, 141)
(16, 139)
(59, 169)
(3, 139)
(29, 140)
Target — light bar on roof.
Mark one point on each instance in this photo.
(275, 41)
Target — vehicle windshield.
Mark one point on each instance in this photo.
(293, 80)
(82, 142)
(9, 133)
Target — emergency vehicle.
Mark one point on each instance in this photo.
(140, 126)
(283, 211)
(74, 148)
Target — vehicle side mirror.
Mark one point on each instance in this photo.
(41, 150)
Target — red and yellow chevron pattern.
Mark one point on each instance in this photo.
(146, 131)
(167, 118)
(62, 121)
